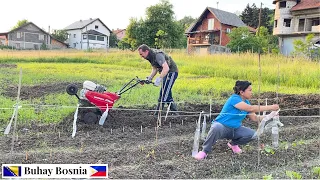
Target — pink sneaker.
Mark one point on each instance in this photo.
(235, 148)
(201, 155)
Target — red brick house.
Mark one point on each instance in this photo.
(211, 28)
(120, 33)
(2, 40)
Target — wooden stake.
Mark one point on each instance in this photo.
(16, 115)
(259, 84)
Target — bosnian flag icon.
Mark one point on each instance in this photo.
(99, 171)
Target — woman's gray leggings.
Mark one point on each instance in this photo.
(239, 136)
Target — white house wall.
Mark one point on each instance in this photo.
(286, 44)
(101, 28)
(79, 43)
(74, 42)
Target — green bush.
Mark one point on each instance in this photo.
(7, 47)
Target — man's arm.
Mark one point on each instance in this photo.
(162, 62)
(165, 69)
(153, 72)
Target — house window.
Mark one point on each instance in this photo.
(41, 37)
(210, 24)
(74, 45)
(275, 23)
(92, 37)
(228, 30)
(100, 38)
(301, 25)
(17, 45)
(315, 22)
(282, 4)
(96, 27)
(286, 22)
(84, 36)
(74, 35)
(18, 35)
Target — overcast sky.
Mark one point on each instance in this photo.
(114, 13)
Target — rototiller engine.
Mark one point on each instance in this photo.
(95, 102)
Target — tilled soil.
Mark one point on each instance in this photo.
(133, 148)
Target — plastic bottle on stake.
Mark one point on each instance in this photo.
(196, 138)
(275, 133)
(204, 126)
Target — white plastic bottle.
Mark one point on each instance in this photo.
(195, 149)
(275, 136)
(196, 139)
(204, 127)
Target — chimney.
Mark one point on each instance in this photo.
(49, 30)
(90, 18)
(80, 20)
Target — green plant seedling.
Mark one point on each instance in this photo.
(316, 171)
(293, 175)
(267, 177)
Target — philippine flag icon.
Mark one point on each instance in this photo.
(11, 171)
(99, 171)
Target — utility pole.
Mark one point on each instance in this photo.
(87, 38)
(259, 20)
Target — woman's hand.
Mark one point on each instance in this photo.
(274, 107)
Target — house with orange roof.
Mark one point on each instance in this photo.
(295, 19)
(210, 31)
(120, 33)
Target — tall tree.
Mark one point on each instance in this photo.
(250, 16)
(161, 17)
(242, 40)
(61, 35)
(113, 41)
(134, 34)
(159, 29)
(247, 16)
(186, 22)
(20, 23)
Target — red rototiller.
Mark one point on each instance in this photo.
(95, 102)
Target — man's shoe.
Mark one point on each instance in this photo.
(200, 156)
(173, 109)
(156, 113)
(235, 148)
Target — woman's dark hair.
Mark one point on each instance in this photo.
(241, 86)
